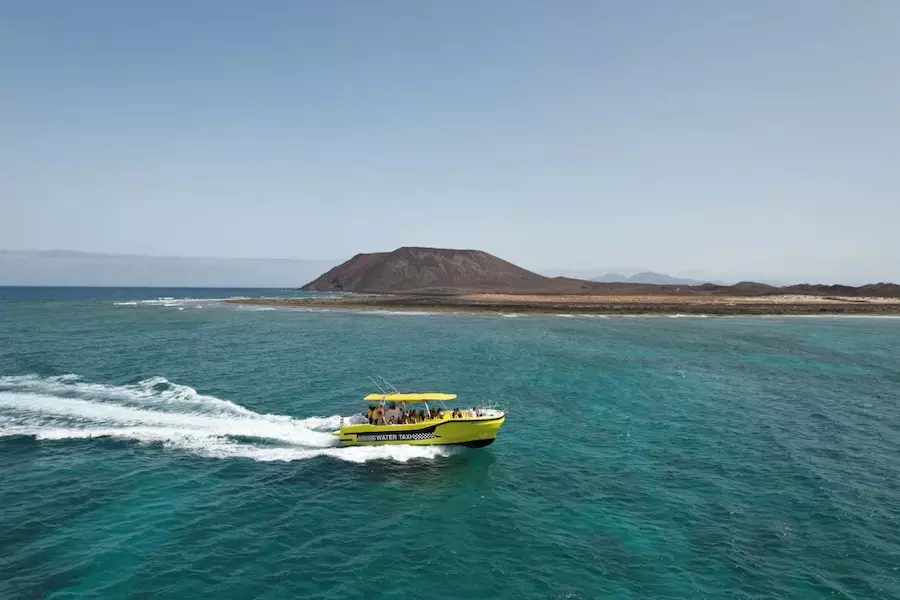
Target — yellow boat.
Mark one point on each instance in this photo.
(474, 427)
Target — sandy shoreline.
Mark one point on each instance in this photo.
(608, 304)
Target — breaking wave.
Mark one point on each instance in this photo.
(177, 417)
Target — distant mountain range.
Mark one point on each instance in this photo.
(640, 275)
(68, 268)
(651, 278)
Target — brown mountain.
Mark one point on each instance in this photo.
(437, 270)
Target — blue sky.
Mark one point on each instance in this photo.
(728, 138)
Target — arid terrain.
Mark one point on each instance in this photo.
(472, 280)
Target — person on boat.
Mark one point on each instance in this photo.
(421, 416)
(378, 415)
(391, 414)
(475, 412)
(370, 414)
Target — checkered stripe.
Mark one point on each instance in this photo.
(400, 437)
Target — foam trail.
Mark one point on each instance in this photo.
(175, 416)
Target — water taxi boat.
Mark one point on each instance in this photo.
(474, 427)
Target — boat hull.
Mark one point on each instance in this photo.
(474, 432)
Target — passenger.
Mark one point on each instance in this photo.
(378, 415)
(408, 418)
(370, 414)
(421, 416)
(475, 412)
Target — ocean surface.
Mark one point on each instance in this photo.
(164, 444)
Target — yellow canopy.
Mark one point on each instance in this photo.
(409, 397)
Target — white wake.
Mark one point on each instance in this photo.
(156, 411)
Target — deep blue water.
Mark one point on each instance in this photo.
(174, 448)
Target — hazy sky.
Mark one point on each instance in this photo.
(725, 137)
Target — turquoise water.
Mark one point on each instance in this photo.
(179, 449)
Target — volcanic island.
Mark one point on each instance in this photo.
(413, 278)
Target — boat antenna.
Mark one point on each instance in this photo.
(380, 389)
(390, 385)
